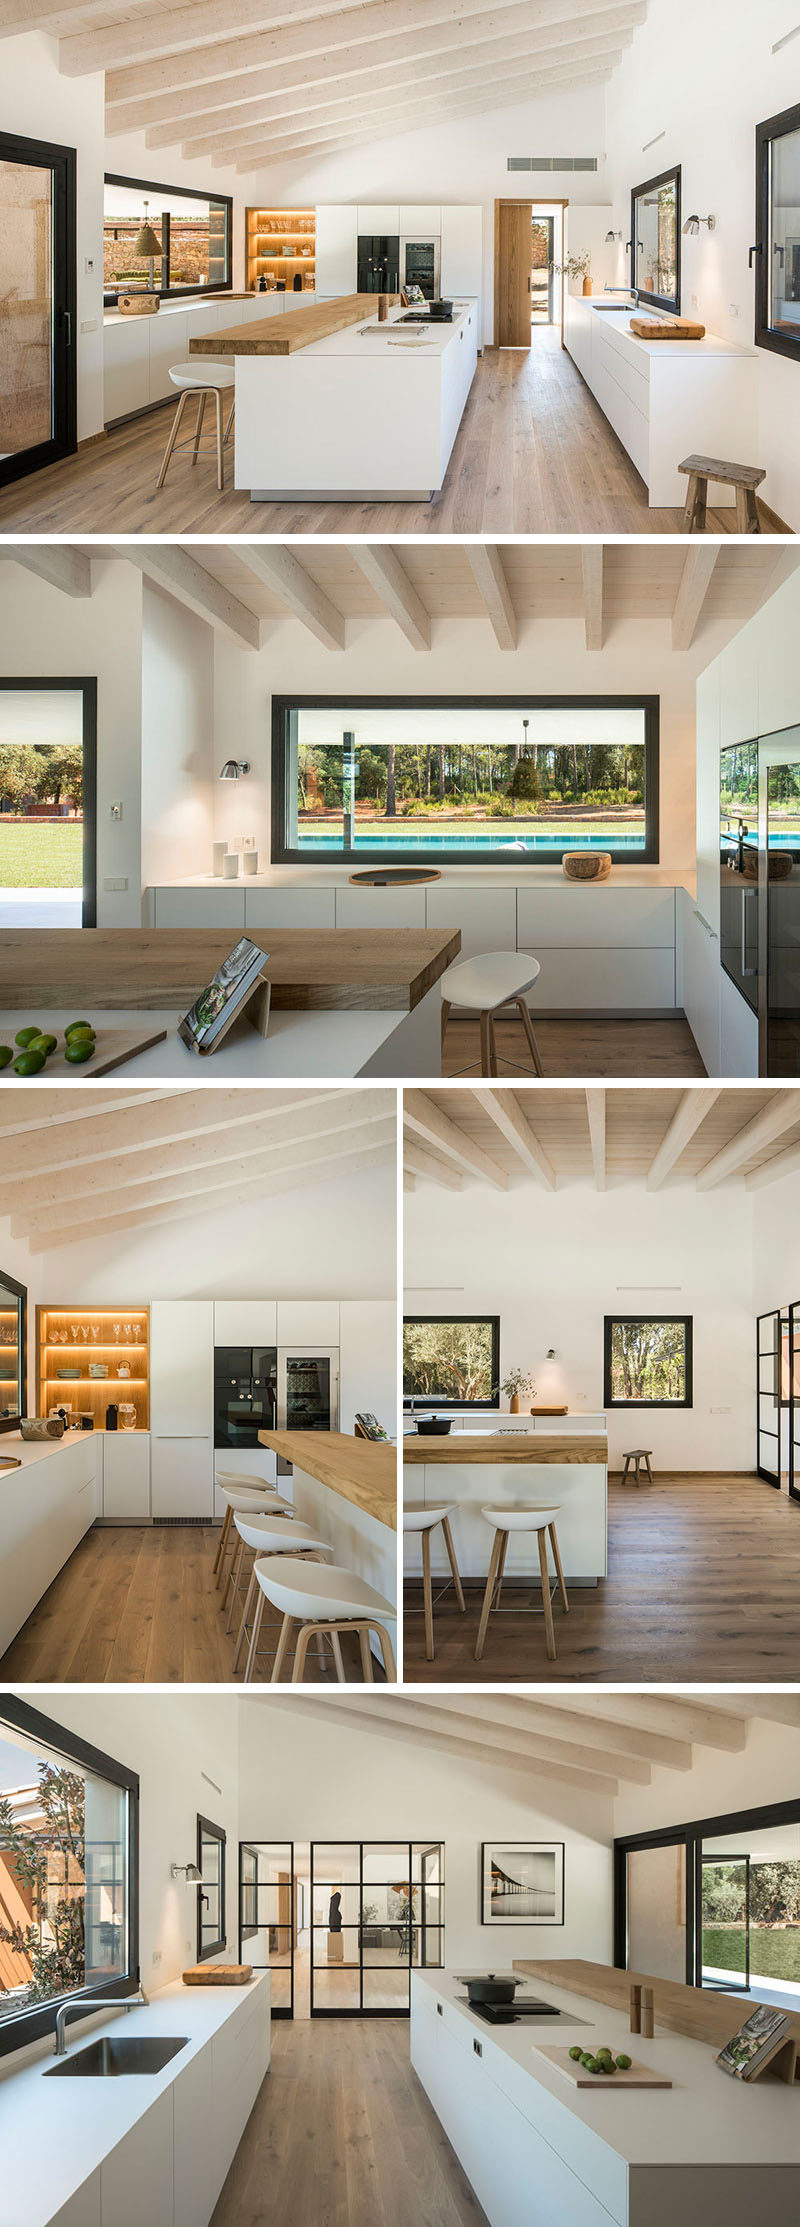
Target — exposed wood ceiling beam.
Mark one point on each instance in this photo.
(173, 569)
(280, 570)
(422, 1163)
(777, 1708)
(396, 1724)
(486, 565)
(774, 1170)
(532, 1746)
(66, 1105)
(381, 566)
(281, 32)
(596, 1114)
(696, 577)
(673, 1714)
(409, 1181)
(154, 1119)
(592, 577)
(365, 1156)
(284, 144)
(62, 567)
(355, 65)
(629, 1737)
(781, 1113)
(436, 1128)
(690, 1115)
(506, 1113)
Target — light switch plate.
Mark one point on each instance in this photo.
(115, 881)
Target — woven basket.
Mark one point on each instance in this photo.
(586, 866)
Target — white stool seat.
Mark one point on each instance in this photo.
(418, 1518)
(204, 371)
(273, 1534)
(243, 1477)
(317, 1592)
(245, 1499)
(521, 1519)
(490, 980)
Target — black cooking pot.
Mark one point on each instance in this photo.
(440, 312)
(490, 1989)
(433, 1426)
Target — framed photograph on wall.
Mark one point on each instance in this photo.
(522, 1882)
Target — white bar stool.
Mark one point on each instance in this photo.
(543, 1522)
(272, 1535)
(243, 1498)
(274, 1513)
(424, 1520)
(324, 1600)
(490, 982)
(208, 379)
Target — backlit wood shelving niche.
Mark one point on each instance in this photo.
(278, 243)
(9, 1361)
(86, 1338)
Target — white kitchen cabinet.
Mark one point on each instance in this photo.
(336, 250)
(182, 1477)
(462, 251)
(126, 375)
(368, 1362)
(738, 1031)
(84, 2209)
(566, 916)
(308, 1321)
(738, 701)
(220, 907)
(182, 1368)
(419, 220)
(604, 982)
(240, 2054)
(137, 2176)
(126, 1476)
(49, 1503)
(707, 804)
(380, 908)
(487, 917)
(288, 908)
(169, 343)
(245, 1322)
(193, 2134)
(379, 216)
(699, 979)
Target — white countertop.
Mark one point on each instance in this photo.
(704, 2119)
(314, 1043)
(370, 338)
(619, 320)
(173, 308)
(53, 2138)
(519, 871)
(30, 1451)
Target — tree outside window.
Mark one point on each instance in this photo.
(648, 1361)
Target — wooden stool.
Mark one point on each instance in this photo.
(744, 477)
(267, 1534)
(639, 1454)
(506, 1520)
(242, 1498)
(424, 1520)
(324, 1600)
(208, 380)
(496, 979)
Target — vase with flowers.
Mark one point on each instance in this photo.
(515, 1387)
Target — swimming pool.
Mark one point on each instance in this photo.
(417, 838)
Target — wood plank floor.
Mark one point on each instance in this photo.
(704, 1583)
(139, 1604)
(342, 2135)
(651, 1050)
(534, 455)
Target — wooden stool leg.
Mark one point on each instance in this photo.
(649, 1470)
(201, 411)
(254, 1638)
(492, 1047)
(229, 426)
(626, 1467)
(488, 1595)
(689, 505)
(173, 437)
(547, 1604)
(220, 458)
(223, 1540)
(500, 1569)
(522, 1006)
(387, 1652)
(559, 1571)
(486, 1045)
(753, 512)
(304, 1637)
(282, 1649)
(236, 1583)
(451, 1556)
(336, 1644)
(233, 1572)
(446, 1011)
(742, 519)
(367, 1671)
(427, 1595)
(253, 1587)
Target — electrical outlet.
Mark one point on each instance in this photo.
(156, 1956)
(694, 301)
(187, 1948)
(88, 266)
(733, 310)
(115, 881)
(115, 811)
(89, 325)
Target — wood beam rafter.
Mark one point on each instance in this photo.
(381, 566)
(774, 1170)
(781, 1113)
(506, 1113)
(698, 572)
(397, 1724)
(433, 1127)
(280, 570)
(173, 569)
(596, 1116)
(486, 565)
(61, 566)
(425, 1164)
(364, 1156)
(282, 144)
(153, 1120)
(690, 1115)
(592, 554)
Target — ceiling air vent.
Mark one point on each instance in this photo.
(552, 162)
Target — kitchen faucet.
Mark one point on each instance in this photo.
(85, 2002)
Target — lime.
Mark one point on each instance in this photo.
(45, 1044)
(78, 1049)
(6, 1055)
(25, 1036)
(576, 2055)
(624, 2064)
(83, 1028)
(29, 1063)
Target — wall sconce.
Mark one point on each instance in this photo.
(189, 1872)
(612, 237)
(693, 224)
(234, 768)
(551, 1390)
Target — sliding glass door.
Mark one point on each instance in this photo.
(715, 1903)
(793, 1364)
(268, 1916)
(38, 408)
(377, 1910)
(656, 1937)
(768, 1397)
(48, 803)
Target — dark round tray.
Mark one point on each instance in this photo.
(377, 877)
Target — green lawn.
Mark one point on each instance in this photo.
(33, 856)
(773, 1956)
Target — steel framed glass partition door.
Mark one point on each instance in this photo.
(377, 1910)
(723, 1883)
(268, 1916)
(768, 1397)
(793, 1368)
(38, 388)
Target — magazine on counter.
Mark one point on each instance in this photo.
(217, 1006)
(757, 2040)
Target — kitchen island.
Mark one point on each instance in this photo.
(539, 2152)
(46, 1506)
(346, 1488)
(474, 1468)
(665, 398)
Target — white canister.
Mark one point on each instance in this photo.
(220, 852)
(230, 866)
(249, 862)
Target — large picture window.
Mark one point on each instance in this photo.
(648, 1361)
(68, 1873)
(777, 251)
(192, 231)
(656, 240)
(714, 1903)
(490, 780)
(452, 1360)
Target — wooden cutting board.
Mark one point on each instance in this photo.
(114, 1046)
(640, 2076)
(218, 1975)
(678, 328)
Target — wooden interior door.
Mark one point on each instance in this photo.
(513, 274)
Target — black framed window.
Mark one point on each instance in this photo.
(776, 254)
(193, 232)
(715, 1903)
(271, 1916)
(38, 275)
(648, 1361)
(474, 780)
(656, 240)
(211, 1937)
(69, 1860)
(377, 1914)
(48, 798)
(13, 1351)
(451, 1361)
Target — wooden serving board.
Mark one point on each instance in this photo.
(218, 1975)
(678, 328)
(10, 1461)
(114, 1046)
(640, 2076)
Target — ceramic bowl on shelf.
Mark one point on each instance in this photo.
(586, 866)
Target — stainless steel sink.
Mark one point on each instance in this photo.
(111, 2055)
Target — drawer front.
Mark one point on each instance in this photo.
(604, 982)
(289, 908)
(632, 375)
(487, 917)
(200, 908)
(380, 908)
(575, 918)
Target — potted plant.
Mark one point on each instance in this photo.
(576, 266)
(515, 1385)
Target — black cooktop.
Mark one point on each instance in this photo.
(511, 2014)
(421, 317)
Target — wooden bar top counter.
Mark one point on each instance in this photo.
(297, 328)
(151, 969)
(702, 2014)
(361, 1470)
(501, 1448)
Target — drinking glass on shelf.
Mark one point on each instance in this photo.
(75, 1332)
(128, 1332)
(95, 1332)
(117, 1332)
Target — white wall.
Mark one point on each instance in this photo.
(697, 81)
(311, 1778)
(766, 1770)
(177, 740)
(552, 1264)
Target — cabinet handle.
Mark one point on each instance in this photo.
(478, 2048)
(439, 2010)
(704, 924)
(746, 970)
